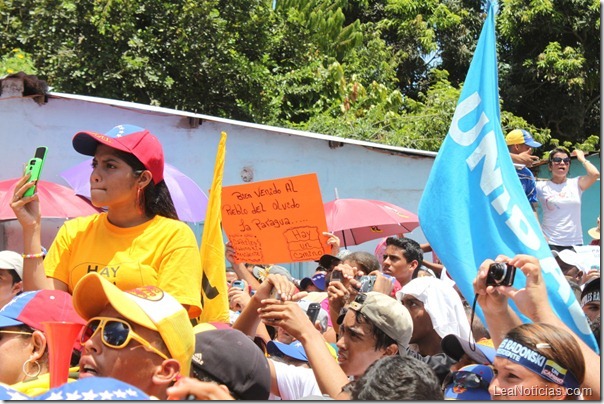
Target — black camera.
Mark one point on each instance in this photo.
(501, 274)
(313, 311)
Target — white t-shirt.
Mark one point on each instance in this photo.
(561, 205)
(295, 382)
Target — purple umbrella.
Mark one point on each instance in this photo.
(189, 200)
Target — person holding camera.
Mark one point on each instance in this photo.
(532, 301)
(537, 361)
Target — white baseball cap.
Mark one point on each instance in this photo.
(12, 260)
(571, 257)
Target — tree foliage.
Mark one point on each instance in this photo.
(551, 52)
(383, 70)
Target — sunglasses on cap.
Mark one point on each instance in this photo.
(466, 380)
(566, 160)
(115, 333)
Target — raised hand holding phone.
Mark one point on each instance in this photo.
(34, 168)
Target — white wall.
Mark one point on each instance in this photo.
(357, 170)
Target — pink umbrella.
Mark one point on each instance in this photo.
(356, 221)
(189, 200)
(56, 201)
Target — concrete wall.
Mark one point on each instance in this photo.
(356, 169)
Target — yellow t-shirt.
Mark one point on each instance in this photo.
(41, 384)
(161, 252)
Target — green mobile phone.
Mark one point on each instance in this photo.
(34, 167)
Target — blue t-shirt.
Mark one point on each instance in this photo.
(527, 179)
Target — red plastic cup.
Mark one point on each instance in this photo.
(61, 336)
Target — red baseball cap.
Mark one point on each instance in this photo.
(35, 307)
(127, 138)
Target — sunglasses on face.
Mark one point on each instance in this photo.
(465, 380)
(559, 160)
(115, 333)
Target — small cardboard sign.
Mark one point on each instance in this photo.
(275, 221)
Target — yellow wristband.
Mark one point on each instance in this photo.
(38, 255)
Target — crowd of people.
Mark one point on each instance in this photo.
(382, 325)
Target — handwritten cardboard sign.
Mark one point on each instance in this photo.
(275, 221)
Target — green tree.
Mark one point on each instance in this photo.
(16, 61)
(382, 70)
(550, 55)
(203, 56)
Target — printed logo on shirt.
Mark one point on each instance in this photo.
(152, 293)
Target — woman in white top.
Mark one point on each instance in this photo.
(560, 199)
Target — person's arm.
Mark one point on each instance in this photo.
(499, 316)
(382, 284)
(248, 320)
(239, 267)
(289, 316)
(436, 268)
(586, 181)
(333, 241)
(524, 158)
(27, 211)
(534, 207)
(532, 301)
(339, 294)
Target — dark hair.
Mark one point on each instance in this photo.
(15, 276)
(157, 199)
(397, 377)
(559, 149)
(367, 261)
(75, 354)
(203, 376)
(411, 248)
(382, 340)
(562, 347)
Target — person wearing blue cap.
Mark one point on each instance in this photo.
(470, 383)
(523, 156)
(315, 283)
(520, 142)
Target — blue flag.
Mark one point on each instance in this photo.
(474, 207)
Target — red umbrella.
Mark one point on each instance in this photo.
(56, 201)
(356, 221)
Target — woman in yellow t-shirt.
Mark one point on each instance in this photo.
(137, 241)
